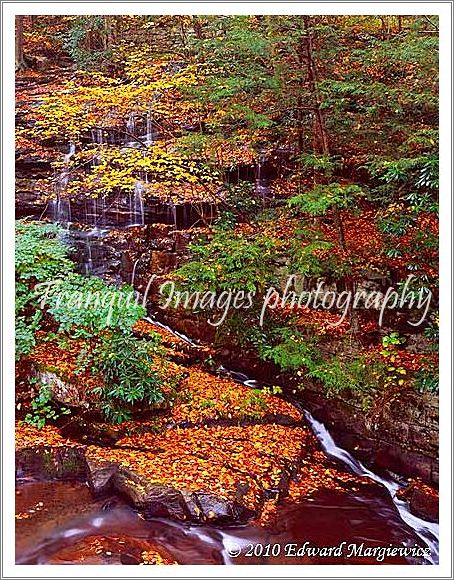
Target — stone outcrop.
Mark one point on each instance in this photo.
(223, 453)
(401, 436)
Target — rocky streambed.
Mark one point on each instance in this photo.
(224, 465)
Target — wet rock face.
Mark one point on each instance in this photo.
(422, 500)
(47, 463)
(105, 478)
(99, 477)
(402, 437)
(160, 500)
(424, 505)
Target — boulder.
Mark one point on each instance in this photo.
(48, 463)
(62, 391)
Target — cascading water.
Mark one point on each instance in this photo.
(262, 187)
(136, 205)
(72, 520)
(149, 137)
(134, 268)
(428, 532)
(61, 206)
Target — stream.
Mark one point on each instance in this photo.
(64, 524)
(61, 523)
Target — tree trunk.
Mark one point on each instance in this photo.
(20, 62)
(319, 118)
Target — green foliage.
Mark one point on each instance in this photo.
(390, 342)
(432, 330)
(40, 256)
(413, 179)
(306, 262)
(273, 390)
(255, 400)
(243, 205)
(44, 409)
(426, 382)
(86, 42)
(85, 306)
(292, 352)
(324, 197)
(392, 339)
(395, 225)
(356, 375)
(325, 164)
(129, 377)
(230, 261)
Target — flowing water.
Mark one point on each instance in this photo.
(64, 522)
(66, 525)
(60, 522)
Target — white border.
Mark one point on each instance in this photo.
(341, 8)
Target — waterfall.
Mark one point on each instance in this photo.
(72, 150)
(102, 220)
(96, 135)
(173, 209)
(136, 205)
(149, 137)
(133, 275)
(94, 215)
(60, 206)
(130, 124)
(89, 262)
(262, 186)
(427, 531)
(131, 131)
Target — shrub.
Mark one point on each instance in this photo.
(85, 306)
(132, 373)
(356, 375)
(292, 353)
(40, 256)
(426, 381)
(44, 409)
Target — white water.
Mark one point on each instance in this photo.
(149, 137)
(61, 207)
(133, 275)
(427, 531)
(136, 205)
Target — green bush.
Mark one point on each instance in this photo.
(44, 409)
(40, 256)
(129, 379)
(426, 381)
(356, 375)
(84, 307)
(293, 352)
(230, 261)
